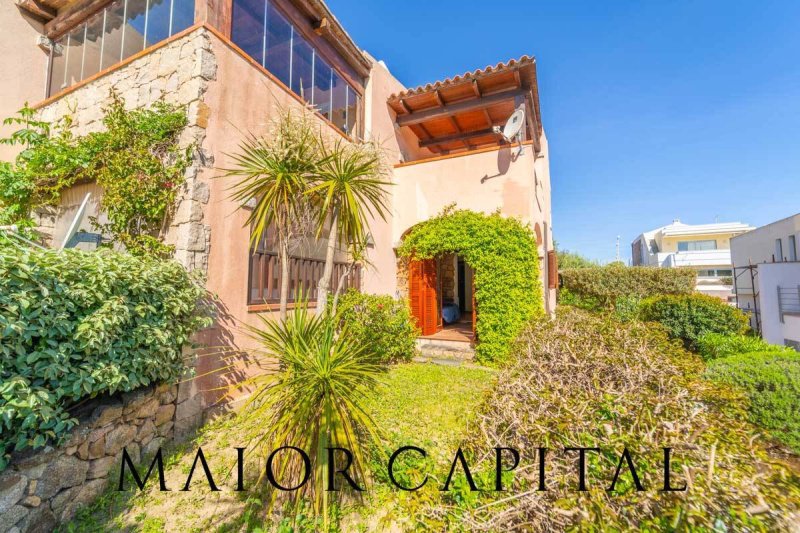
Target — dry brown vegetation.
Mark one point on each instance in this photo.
(584, 380)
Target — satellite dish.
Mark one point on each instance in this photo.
(76, 222)
(513, 127)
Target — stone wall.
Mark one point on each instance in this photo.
(45, 487)
(179, 73)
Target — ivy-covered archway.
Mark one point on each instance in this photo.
(503, 254)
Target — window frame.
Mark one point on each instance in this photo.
(83, 22)
(687, 243)
(792, 248)
(352, 81)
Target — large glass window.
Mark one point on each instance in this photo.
(692, 246)
(247, 30)
(339, 103)
(279, 45)
(322, 87)
(120, 30)
(292, 59)
(302, 67)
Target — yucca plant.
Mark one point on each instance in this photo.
(314, 401)
(350, 186)
(276, 171)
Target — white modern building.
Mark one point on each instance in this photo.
(767, 279)
(702, 247)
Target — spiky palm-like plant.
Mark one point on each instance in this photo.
(350, 186)
(313, 402)
(276, 171)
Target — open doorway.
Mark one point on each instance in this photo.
(441, 291)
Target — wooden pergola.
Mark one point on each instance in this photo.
(461, 113)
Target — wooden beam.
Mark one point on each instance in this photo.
(76, 13)
(457, 137)
(215, 13)
(322, 26)
(37, 9)
(458, 107)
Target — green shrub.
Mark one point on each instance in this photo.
(605, 285)
(380, 322)
(690, 316)
(716, 346)
(771, 381)
(76, 324)
(502, 252)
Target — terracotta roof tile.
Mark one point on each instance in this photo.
(466, 76)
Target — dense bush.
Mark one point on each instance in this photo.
(77, 324)
(137, 161)
(380, 322)
(690, 316)
(589, 380)
(601, 287)
(716, 346)
(771, 381)
(502, 252)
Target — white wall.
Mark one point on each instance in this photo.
(770, 277)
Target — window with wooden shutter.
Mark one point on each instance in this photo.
(552, 269)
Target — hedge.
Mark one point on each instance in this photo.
(603, 286)
(502, 252)
(690, 316)
(381, 322)
(716, 345)
(771, 381)
(77, 324)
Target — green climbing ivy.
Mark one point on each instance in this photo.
(503, 254)
(136, 160)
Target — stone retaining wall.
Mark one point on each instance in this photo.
(42, 488)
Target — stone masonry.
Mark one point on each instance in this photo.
(45, 487)
(178, 73)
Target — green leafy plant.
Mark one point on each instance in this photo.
(690, 316)
(771, 381)
(568, 260)
(137, 161)
(502, 251)
(76, 324)
(603, 286)
(380, 322)
(717, 345)
(313, 401)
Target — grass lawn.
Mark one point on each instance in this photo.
(424, 405)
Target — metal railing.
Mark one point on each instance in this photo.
(788, 300)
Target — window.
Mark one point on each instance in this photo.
(294, 61)
(305, 271)
(693, 246)
(117, 32)
(302, 67)
(778, 250)
(247, 29)
(792, 248)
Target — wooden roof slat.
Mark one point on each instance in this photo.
(458, 107)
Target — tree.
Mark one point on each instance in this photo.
(277, 171)
(350, 187)
(567, 259)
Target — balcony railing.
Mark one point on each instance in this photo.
(695, 258)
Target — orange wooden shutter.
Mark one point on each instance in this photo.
(422, 295)
(552, 269)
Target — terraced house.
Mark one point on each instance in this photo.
(233, 63)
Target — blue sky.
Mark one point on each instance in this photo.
(653, 110)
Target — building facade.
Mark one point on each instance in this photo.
(702, 247)
(234, 65)
(767, 279)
